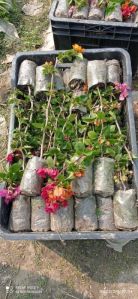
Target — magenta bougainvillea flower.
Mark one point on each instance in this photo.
(10, 194)
(123, 89)
(51, 207)
(46, 189)
(10, 158)
(14, 156)
(44, 172)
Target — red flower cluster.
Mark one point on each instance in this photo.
(128, 9)
(55, 197)
(44, 172)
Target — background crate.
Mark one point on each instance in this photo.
(94, 34)
(40, 58)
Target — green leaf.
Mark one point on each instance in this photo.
(93, 115)
(110, 152)
(100, 115)
(38, 125)
(88, 119)
(82, 129)
(15, 172)
(87, 161)
(111, 5)
(80, 56)
(112, 114)
(79, 147)
(92, 135)
(50, 162)
(3, 175)
(88, 153)
(88, 141)
(112, 128)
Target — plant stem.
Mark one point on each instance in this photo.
(32, 106)
(46, 116)
(46, 121)
(101, 107)
(120, 175)
(76, 123)
(70, 111)
(57, 118)
(65, 167)
(50, 139)
(21, 143)
(125, 147)
(100, 97)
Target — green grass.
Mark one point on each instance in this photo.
(30, 30)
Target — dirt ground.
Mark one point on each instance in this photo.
(77, 269)
(56, 270)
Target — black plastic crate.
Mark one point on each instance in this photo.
(40, 58)
(94, 34)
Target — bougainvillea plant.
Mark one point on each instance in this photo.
(128, 9)
(74, 141)
(78, 3)
(70, 55)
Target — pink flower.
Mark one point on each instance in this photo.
(123, 89)
(10, 158)
(10, 194)
(43, 172)
(48, 187)
(16, 191)
(52, 173)
(14, 156)
(3, 192)
(51, 207)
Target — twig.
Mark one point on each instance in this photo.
(46, 120)
(101, 107)
(101, 102)
(70, 295)
(57, 118)
(76, 118)
(46, 116)
(50, 139)
(124, 187)
(128, 152)
(21, 144)
(32, 106)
